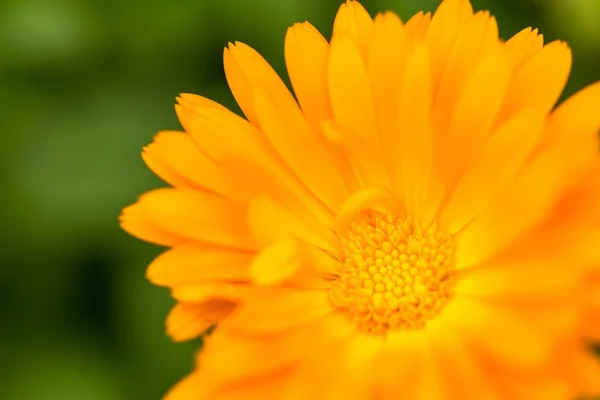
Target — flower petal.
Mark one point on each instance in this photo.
(276, 263)
(192, 216)
(480, 33)
(540, 80)
(499, 162)
(523, 46)
(193, 264)
(271, 222)
(175, 157)
(287, 130)
(242, 149)
(306, 53)
(187, 321)
(353, 20)
(349, 88)
(386, 60)
(416, 28)
(448, 19)
(280, 309)
(414, 172)
(475, 110)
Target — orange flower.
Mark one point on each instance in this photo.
(419, 224)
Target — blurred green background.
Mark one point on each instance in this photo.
(84, 85)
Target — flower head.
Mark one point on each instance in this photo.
(418, 222)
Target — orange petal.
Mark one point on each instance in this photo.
(187, 321)
(447, 21)
(585, 371)
(169, 156)
(280, 309)
(191, 215)
(136, 223)
(480, 33)
(192, 264)
(192, 387)
(540, 81)
(414, 171)
(496, 165)
(577, 118)
(476, 109)
(349, 89)
(387, 54)
(270, 223)
(306, 53)
(505, 338)
(255, 72)
(203, 292)
(364, 200)
(287, 130)
(241, 149)
(517, 281)
(521, 206)
(523, 46)
(236, 359)
(175, 157)
(276, 263)
(416, 28)
(353, 20)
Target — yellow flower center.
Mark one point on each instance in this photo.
(393, 274)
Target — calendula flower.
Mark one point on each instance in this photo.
(418, 222)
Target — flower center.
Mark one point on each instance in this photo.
(393, 274)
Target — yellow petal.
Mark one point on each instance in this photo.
(349, 89)
(387, 54)
(462, 372)
(192, 387)
(277, 113)
(414, 171)
(239, 83)
(577, 118)
(365, 161)
(287, 130)
(255, 72)
(522, 205)
(175, 157)
(136, 223)
(191, 215)
(280, 309)
(523, 46)
(480, 33)
(353, 20)
(187, 321)
(364, 200)
(503, 337)
(543, 280)
(540, 80)
(241, 149)
(192, 264)
(169, 156)
(402, 366)
(475, 110)
(447, 21)
(276, 263)
(194, 100)
(201, 293)
(233, 358)
(306, 53)
(416, 28)
(271, 223)
(498, 163)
